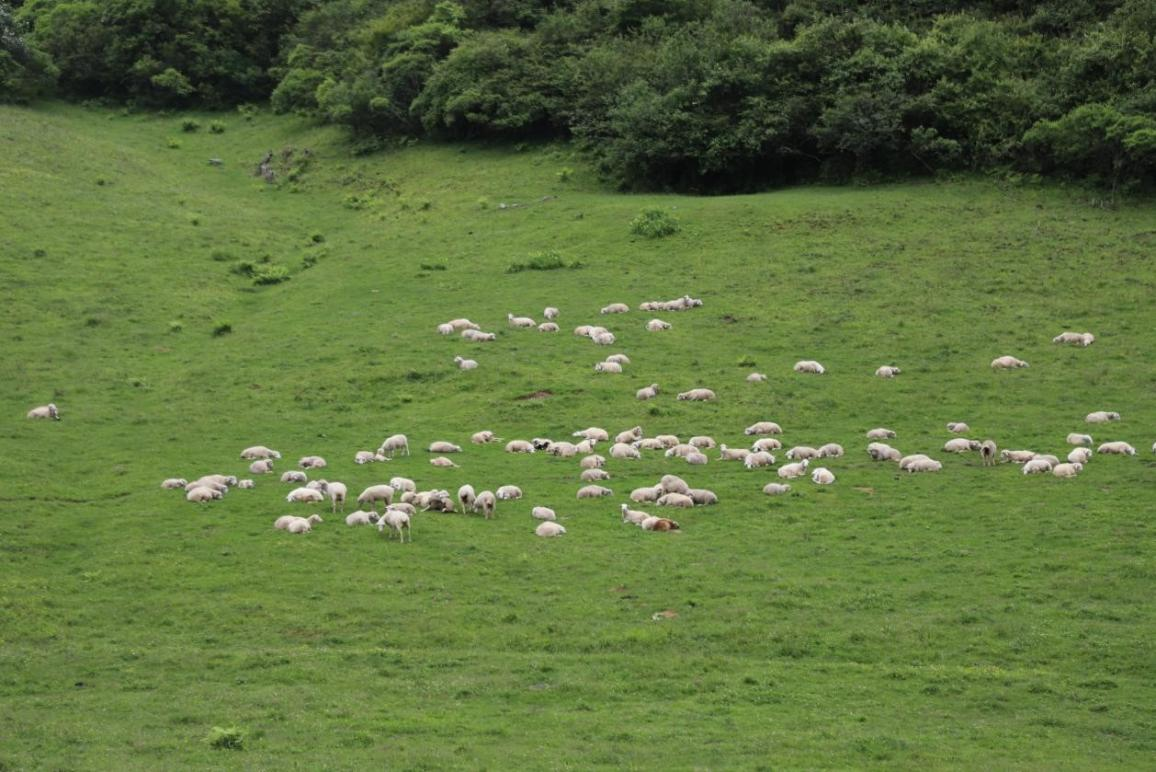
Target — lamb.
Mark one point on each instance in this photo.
(1077, 338)
(466, 364)
(702, 441)
(1101, 417)
(305, 496)
(887, 371)
(1007, 363)
(520, 322)
(443, 463)
(1067, 470)
(608, 367)
(680, 500)
(776, 489)
(594, 492)
(548, 327)
(800, 452)
(646, 495)
(519, 446)
(763, 427)
(483, 437)
(822, 476)
(246, 484)
(703, 497)
(550, 313)
(757, 378)
(293, 476)
(615, 308)
(259, 452)
(881, 433)
(732, 454)
(1080, 456)
(831, 450)
(262, 466)
(174, 482)
(1116, 448)
(594, 461)
(1037, 466)
(809, 366)
(961, 445)
(766, 443)
(549, 529)
(312, 462)
(649, 392)
(987, 450)
(657, 325)
(593, 433)
(361, 518)
(445, 329)
(44, 411)
(791, 471)
(622, 450)
(202, 494)
(485, 503)
(594, 475)
(1079, 439)
(758, 459)
(443, 447)
(466, 496)
(394, 443)
(375, 493)
(397, 522)
(958, 427)
(545, 513)
(658, 524)
(633, 515)
(509, 492)
(880, 451)
(1017, 456)
(402, 484)
(698, 395)
(367, 457)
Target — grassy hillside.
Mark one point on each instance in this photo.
(975, 617)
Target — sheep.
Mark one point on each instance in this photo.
(442, 446)
(1067, 470)
(583, 330)
(282, 523)
(1154, 447)
(880, 451)
(776, 489)
(174, 482)
(1116, 448)
(633, 515)
(361, 518)
(1101, 417)
(958, 427)
(758, 459)
(791, 471)
(1037, 466)
(766, 443)
(548, 530)
(629, 435)
(258, 452)
(604, 339)
(809, 366)
(800, 452)
(545, 513)
(445, 329)
(615, 308)
(477, 336)
(1007, 363)
(646, 495)
(550, 313)
(397, 522)
(509, 492)
(367, 457)
(732, 454)
(442, 462)
(594, 475)
(519, 446)
(1079, 439)
(960, 445)
(608, 367)
(621, 359)
(680, 500)
(202, 494)
(394, 443)
(375, 493)
(221, 488)
(1077, 338)
(697, 459)
(521, 322)
(831, 450)
(907, 461)
(594, 492)
(1049, 458)
(887, 371)
(658, 524)
(435, 501)
(45, 411)
(483, 437)
(652, 443)
(312, 462)
(924, 465)
(657, 325)
(702, 441)
(822, 476)
(672, 483)
(763, 427)
(466, 364)
(594, 461)
(402, 484)
(698, 395)
(593, 433)
(485, 503)
(305, 496)
(622, 450)
(263, 466)
(649, 392)
(548, 327)
(757, 378)
(466, 496)
(218, 479)
(293, 476)
(299, 525)
(881, 433)
(703, 497)
(1017, 456)
(462, 324)
(1080, 456)
(337, 493)
(987, 451)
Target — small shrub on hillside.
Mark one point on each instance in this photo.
(482, 203)
(174, 143)
(247, 111)
(222, 328)
(746, 361)
(175, 326)
(549, 260)
(654, 223)
(270, 274)
(189, 125)
(217, 127)
(309, 261)
(565, 173)
(317, 238)
(226, 738)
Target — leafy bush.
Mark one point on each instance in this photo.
(222, 328)
(226, 738)
(270, 273)
(217, 127)
(549, 260)
(654, 223)
(189, 125)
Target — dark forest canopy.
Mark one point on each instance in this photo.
(696, 95)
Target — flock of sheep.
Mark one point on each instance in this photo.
(670, 491)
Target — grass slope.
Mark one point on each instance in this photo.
(974, 618)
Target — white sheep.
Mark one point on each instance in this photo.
(477, 336)
(608, 367)
(703, 497)
(1077, 338)
(312, 462)
(615, 308)
(1037, 466)
(282, 523)
(633, 515)
(881, 433)
(483, 437)
(509, 492)
(757, 378)
(887, 371)
(337, 493)
(441, 446)
(961, 445)
(593, 461)
(445, 329)
(1101, 417)
(1116, 448)
(809, 366)
(1079, 439)
(208, 482)
(393, 444)
(462, 324)
(246, 484)
(646, 495)
(907, 461)
(202, 494)
(791, 471)
(549, 529)
(696, 459)
(987, 451)
(649, 392)
(822, 476)
(766, 443)
(732, 454)
(1067, 470)
(758, 459)
(368, 457)
(594, 492)
(258, 452)
(622, 450)
(299, 525)
(657, 325)
(44, 411)
(604, 338)
(698, 395)
(679, 500)
(375, 493)
(174, 482)
(1007, 362)
(397, 522)
(958, 427)
(466, 364)
(305, 496)
(485, 503)
(629, 435)
(550, 313)
(583, 330)
(651, 443)
(442, 462)
(1080, 456)
(519, 446)
(881, 451)
(831, 450)
(466, 496)
(672, 483)
(594, 475)
(263, 466)
(658, 524)
(801, 452)
(548, 327)
(293, 476)
(681, 450)
(593, 433)
(361, 518)
(702, 441)
(545, 513)
(776, 489)
(402, 484)
(763, 427)
(924, 465)
(1017, 456)
(521, 322)
(621, 359)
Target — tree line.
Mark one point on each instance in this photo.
(691, 95)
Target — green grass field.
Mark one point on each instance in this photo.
(974, 618)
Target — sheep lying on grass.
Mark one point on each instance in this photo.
(45, 411)
(809, 366)
(1116, 448)
(549, 529)
(1101, 417)
(545, 513)
(259, 452)
(1007, 362)
(776, 489)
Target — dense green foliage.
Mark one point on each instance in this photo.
(25, 71)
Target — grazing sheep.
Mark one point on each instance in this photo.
(831, 450)
(312, 462)
(924, 465)
(758, 459)
(615, 308)
(633, 515)
(397, 522)
(791, 471)
(881, 433)
(394, 443)
(961, 445)
(293, 476)
(608, 367)
(361, 518)
(757, 378)
(375, 493)
(766, 443)
(519, 446)
(800, 452)
(548, 327)
(649, 392)
(337, 493)
(657, 325)
(776, 489)
(263, 466)
(202, 494)
(622, 450)
(443, 447)
(809, 366)
(1116, 448)
(545, 513)
(763, 427)
(1037, 466)
(1077, 338)
(594, 492)
(485, 503)
(887, 371)
(466, 496)
(698, 395)
(680, 500)
(1067, 470)
(466, 364)
(594, 475)
(1080, 456)
(445, 329)
(1079, 439)
(521, 322)
(443, 463)
(658, 524)
(958, 427)
(402, 484)
(174, 482)
(732, 454)
(259, 452)
(550, 313)
(703, 497)
(305, 496)
(1101, 417)
(45, 411)
(822, 476)
(702, 441)
(646, 495)
(1017, 456)
(549, 529)
(509, 492)
(987, 451)
(1007, 363)
(592, 462)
